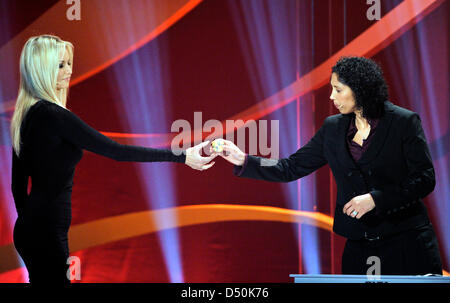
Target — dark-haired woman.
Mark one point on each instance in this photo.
(380, 160)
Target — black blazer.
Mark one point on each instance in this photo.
(396, 169)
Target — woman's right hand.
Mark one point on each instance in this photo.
(231, 153)
(195, 160)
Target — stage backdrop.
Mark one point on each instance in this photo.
(139, 66)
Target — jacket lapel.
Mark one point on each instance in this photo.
(343, 153)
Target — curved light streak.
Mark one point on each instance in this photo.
(91, 58)
(107, 230)
(172, 19)
(110, 229)
(374, 39)
(368, 43)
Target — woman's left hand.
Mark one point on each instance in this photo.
(359, 204)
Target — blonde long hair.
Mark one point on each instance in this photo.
(39, 63)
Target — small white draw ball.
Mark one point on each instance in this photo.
(217, 145)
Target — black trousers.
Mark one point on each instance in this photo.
(413, 252)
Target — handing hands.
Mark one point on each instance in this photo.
(195, 160)
(359, 206)
(233, 154)
(229, 151)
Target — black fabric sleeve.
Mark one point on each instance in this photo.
(303, 162)
(239, 169)
(19, 182)
(72, 129)
(421, 177)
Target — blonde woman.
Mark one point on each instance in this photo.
(48, 142)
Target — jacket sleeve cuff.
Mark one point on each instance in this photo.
(377, 197)
(238, 170)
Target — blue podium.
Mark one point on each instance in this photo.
(367, 279)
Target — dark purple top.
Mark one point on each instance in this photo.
(355, 149)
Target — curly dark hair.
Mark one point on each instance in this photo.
(365, 78)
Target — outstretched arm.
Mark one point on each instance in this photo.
(74, 130)
(303, 162)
